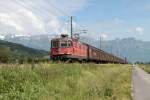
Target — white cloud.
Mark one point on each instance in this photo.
(36, 22)
(104, 36)
(54, 25)
(137, 30)
(2, 37)
(117, 21)
(36, 16)
(8, 20)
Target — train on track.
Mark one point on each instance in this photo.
(65, 48)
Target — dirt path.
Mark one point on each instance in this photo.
(141, 84)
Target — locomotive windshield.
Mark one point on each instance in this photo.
(61, 44)
(65, 44)
(55, 44)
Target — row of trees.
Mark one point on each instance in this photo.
(139, 62)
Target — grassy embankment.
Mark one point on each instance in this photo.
(146, 67)
(65, 82)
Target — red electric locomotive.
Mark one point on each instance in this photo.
(64, 48)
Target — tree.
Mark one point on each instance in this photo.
(5, 55)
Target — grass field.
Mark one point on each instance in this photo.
(65, 82)
(146, 67)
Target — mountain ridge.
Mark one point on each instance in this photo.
(19, 51)
(132, 48)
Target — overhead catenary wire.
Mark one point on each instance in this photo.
(61, 11)
(44, 12)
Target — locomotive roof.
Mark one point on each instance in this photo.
(65, 38)
(60, 38)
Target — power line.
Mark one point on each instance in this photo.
(36, 9)
(46, 11)
(61, 11)
(82, 27)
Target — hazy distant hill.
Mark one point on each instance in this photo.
(134, 50)
(41, 42)
(131, 48)
(21, 51)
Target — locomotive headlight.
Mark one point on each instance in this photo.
(67, 53)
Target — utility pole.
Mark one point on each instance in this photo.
(125, 60)
(100, 42)
(111, 49)
(71, 27)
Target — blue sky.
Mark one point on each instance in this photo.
(117, 18)
(109, 18)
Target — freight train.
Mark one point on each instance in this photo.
(65, 48)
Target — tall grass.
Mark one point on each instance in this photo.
(146, 67)
(65, 82)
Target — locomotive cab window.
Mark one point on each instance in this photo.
(55, 44)
(63, 44)
(69, 43)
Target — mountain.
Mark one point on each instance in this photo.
(41, 42)
(20, 51)
(130, 48)
(133, 49)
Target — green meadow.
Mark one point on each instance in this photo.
(146, 67)
(51, 81)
